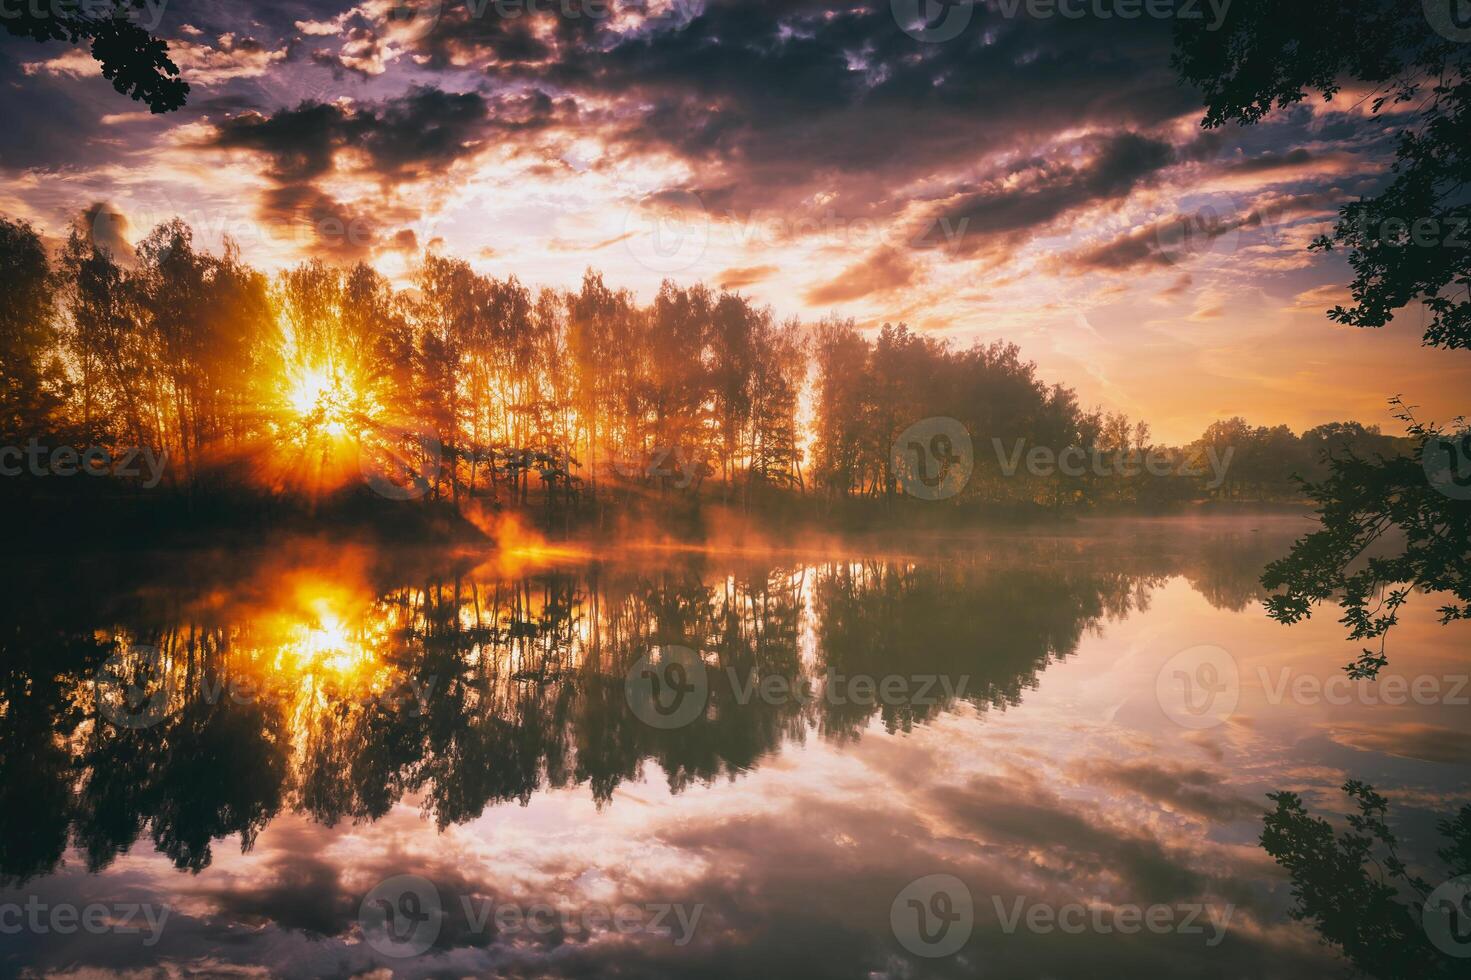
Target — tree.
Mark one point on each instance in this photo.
(30, 377)
(136, 62)
(1408, 241)
(1363, 912)
(1405, 243)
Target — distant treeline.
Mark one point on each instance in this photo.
(479, 388)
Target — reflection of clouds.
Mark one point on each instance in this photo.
(1408, 740)
(1182, 788)
(797, 856)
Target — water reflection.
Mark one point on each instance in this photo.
(194, 706)
(297, 725)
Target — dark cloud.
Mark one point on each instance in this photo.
(744, 276)
(882, 272)
(1023, 815)
(1167, 241)
(422, 131)
(49, 124)
(1183, 789)
(772, 100)
(300, 142)
(298, 891)
(1273, 161)
(1028, 197)
(107, 229)
(1410, 740)
(417, 135)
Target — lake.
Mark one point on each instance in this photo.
(1005, 754)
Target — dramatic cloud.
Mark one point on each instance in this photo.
(420, 134)
(830, 157)
(883, 272)
(1025, 199)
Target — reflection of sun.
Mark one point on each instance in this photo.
(326, 644)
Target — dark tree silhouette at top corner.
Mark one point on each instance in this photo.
(136, 62)
(1407, 243)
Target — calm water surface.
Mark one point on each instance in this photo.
(319, 761)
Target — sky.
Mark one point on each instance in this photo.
(993, 176)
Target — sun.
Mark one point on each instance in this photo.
(322, 399)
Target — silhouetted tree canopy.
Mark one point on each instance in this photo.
(136, 62)
(1357, 891)
(1409, 242)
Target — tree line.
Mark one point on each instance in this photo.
(484, 388)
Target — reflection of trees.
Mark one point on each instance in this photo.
(462, 693)
(991, 629)
(1357, 891)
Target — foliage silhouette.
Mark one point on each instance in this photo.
(1406, 243)
(1349, 886)
(136, 62)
